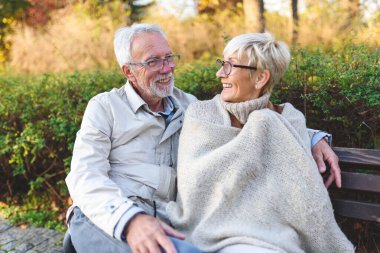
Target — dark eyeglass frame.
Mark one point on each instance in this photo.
(170, 60)
(221, 62)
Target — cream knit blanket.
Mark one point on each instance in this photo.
(257, 185)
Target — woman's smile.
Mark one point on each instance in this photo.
(227, 85)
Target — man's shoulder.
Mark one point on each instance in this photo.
(106, 103)
(106, 96)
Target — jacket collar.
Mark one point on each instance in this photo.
(133, 98)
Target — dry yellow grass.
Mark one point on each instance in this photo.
(75, 40)
(72, 41)
(202, 36)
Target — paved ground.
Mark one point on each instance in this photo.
(29, 240)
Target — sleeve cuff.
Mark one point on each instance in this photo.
(319, 135)
(124, 220)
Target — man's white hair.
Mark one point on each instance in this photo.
(124, 37)
(262, 52)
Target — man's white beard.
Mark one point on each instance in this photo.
(161, 92)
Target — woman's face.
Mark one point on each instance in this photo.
(239, 85)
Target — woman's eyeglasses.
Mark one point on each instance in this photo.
(227, 66)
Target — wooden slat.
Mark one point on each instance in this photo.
(361, 181)
(358, 210)
(357, 156)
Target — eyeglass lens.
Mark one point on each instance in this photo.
(226, 65)
(171, 61)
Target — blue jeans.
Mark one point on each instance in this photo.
(87, 237)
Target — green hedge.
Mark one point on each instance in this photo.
(338, 90)
(39, 117)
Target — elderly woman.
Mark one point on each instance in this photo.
(247, 181)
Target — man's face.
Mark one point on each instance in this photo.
(151, 84)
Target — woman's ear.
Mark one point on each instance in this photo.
(128, 73)
(262, 79)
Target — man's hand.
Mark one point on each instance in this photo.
(322, 152)
(146, 234)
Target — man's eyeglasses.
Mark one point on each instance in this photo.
(157, 64)
(227, 66)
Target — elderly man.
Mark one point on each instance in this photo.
(123, 170)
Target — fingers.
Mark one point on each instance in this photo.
(335, 170)
(318, 157)
(329, 180)
(318, 151)
(171, 231)
(335, 174)
(145, 234)
(147, 248)
(166, 244)
(322, 152)
(338, 178)
(151, 247)
(320, 163)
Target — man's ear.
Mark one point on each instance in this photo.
(128, 73)
(262, 79)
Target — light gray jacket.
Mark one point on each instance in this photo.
(124, 150)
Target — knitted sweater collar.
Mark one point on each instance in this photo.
(242, 110)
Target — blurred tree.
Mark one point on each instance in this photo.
(137, 9)
(340, 20)
(10, 11)
(212, 6)
(254, 15)
(134, 10)
(295, 26)
(38, 12)
(352, 11)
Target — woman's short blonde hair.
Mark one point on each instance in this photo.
(262, 52)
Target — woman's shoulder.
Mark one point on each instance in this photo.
(204, 104)
(291, 113)
(208, 110)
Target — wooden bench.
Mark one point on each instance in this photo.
(359, 196)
